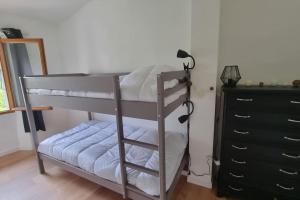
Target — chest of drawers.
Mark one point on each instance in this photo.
(260, 143)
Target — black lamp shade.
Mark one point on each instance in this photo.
(230, 76)
(182, 54)
(183, 118)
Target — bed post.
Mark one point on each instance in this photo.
(189, 83)
(119, 121)
(90, 116)
(32, 126)
(161, 135)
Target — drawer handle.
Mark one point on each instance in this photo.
(236, 176)
(288, 173)
(290, 156)
(247, 100)
(295, 102)
(292, 139)
(241, 132)
(285, 188)
(239, 148)
(239, 162)
(235, 189)
(244, 116)
(293, 121)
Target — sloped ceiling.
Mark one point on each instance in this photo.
(49, 10)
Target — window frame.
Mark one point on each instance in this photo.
(5, 68)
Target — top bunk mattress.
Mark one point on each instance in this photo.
(140, 85)
(93, 146)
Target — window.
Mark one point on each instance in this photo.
(6, 99)
(18, 57)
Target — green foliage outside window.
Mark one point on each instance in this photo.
(3, 101)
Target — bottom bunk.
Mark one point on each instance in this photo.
(92, 147)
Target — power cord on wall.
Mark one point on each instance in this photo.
(209, 158)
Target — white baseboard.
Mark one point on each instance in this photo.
(204, 181)
(25, 148)
(8, 151)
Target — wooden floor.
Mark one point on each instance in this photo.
(20, 180)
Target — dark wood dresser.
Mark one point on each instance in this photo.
(260, 143)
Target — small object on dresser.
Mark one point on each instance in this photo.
(296, 83)
(230, 76)
(261, 84)
(274, 83)
(248, 83)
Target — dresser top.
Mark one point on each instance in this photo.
(264, 89)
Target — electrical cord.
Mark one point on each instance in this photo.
(204, 174)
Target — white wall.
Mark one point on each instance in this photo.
(112, 35)
(8, 134)
(205, 38)
(263, 38)
(12, 124)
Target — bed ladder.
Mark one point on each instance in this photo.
(122, 141)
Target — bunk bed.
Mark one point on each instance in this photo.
(102, 94)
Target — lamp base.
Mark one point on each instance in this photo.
(230, 85)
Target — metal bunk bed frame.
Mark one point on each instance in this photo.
(109, 83)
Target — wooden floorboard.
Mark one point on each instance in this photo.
(20, 180)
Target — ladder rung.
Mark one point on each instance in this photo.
(141, 144)
(142, 169)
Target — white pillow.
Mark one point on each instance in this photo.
(131, 84)
(148, 90)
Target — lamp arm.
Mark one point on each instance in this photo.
(194, 62)
(192, 105)
(187, 66)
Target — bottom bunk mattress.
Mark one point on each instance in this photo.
(93, 146)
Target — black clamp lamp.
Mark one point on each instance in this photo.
(184, 54)
(183, 118)
(188, 102)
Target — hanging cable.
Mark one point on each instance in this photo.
(204, 174)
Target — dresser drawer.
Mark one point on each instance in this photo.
(250, 101)
(244, 151)
(255, 170)
(283, 187)
(235, 189)
(262, 189)
(272, 121)
(279, 138)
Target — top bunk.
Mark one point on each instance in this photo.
(142, 94)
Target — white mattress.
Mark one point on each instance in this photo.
(93, 146)
(139, 85)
